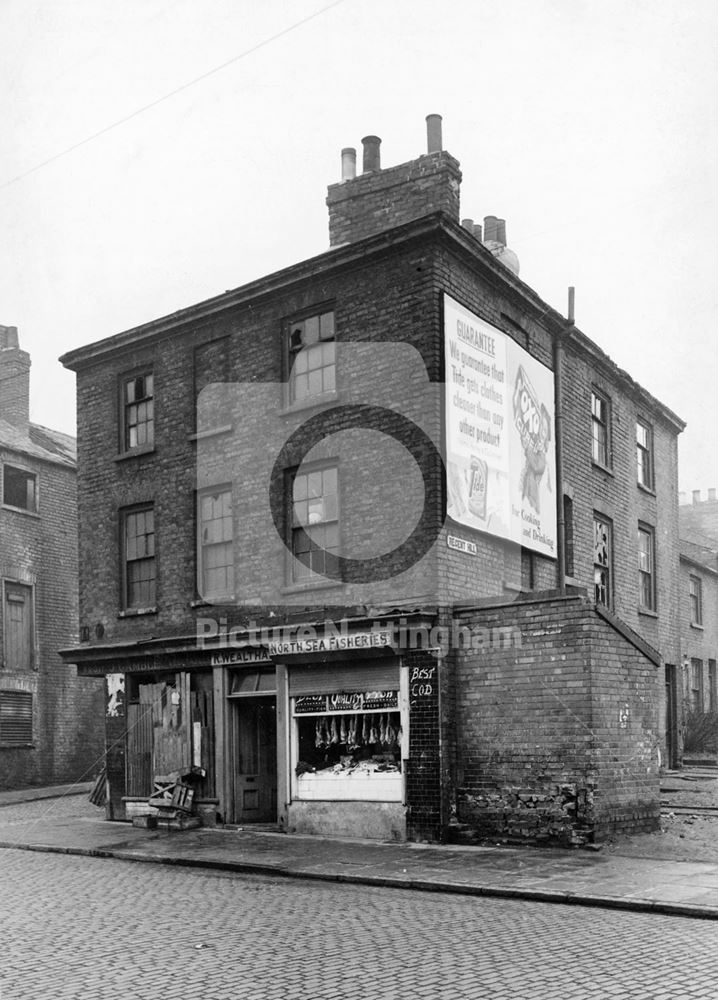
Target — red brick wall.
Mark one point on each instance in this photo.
(556, 738)
(68, 711)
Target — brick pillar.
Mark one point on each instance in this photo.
(423, 777)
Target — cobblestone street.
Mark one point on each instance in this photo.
(87, 928)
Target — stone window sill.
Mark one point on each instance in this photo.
(211, 432)
(697, 626)
(648, 612)
(603, 468)
(307, 404)
(136, 612)
(646, 489)
(134, 453)
(21, 510)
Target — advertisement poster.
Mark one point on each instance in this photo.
(500, 440)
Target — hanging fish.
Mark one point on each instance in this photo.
(342, 730)
(334, 733)
(318, 741)
(382, 730)
(390, 733)
(365, 729)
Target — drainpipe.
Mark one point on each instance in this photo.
(558, 399)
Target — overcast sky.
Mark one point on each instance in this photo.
(590, 127)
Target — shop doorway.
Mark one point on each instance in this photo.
(254, 760)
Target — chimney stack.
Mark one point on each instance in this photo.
(696, 496)
(433, 134)
(349, 163)
(711, 494)
(372, 155)
(490, 229)
(14, 380)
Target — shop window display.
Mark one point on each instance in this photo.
(353, 754)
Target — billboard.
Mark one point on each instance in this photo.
(500, 441)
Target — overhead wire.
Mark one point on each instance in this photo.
(170, 94)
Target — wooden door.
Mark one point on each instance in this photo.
(255, 760)
(18, 627)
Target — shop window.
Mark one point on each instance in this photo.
(347, 746)
(19, 488)
(602, 560)
(600, 429)
(215, 543)
(311, 357)
(18, 627)
(646, 568)
(15, 718)
(695, 594)
(644, 454)
(315, 523)
(696, 684)
(138, 411)
(138, 569)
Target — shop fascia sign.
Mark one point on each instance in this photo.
(332, 642)
(237, 657)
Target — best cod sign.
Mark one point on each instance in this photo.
(500, 455)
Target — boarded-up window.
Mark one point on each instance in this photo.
(16, 717)
(211, 365)
(18, 630)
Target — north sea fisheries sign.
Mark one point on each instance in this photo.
(500, 435)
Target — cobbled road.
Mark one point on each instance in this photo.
(77, 927)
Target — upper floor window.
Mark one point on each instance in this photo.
(15, 718)
(695, 596)
(600, 429)
(18, 627)
(602, 560)
(215, 544)
(19, 488)
(312, 358)
(138, 411)
(315, 523)
(644, 454)
(646, 568)
(138, 568)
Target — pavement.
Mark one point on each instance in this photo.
(61, 820)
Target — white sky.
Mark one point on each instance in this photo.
(590, 126)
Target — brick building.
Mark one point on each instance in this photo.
(699, 601)
(381, 541)
(49, 727)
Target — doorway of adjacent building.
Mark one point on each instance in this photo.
(254, 759)
(671, 717)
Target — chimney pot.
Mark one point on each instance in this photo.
(501, 231)
(711, 494)
(468, 224)
(477, 231)
(8, 338)
(433, 134)
(696, 496)
(349, 163)
(490, 224)
(372, 155)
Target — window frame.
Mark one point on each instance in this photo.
(644, 456)
(650, 574)
(31, 474)
(327, 392)
(695, 600)
(696, 684)
(125, 604)
(124, 405)
(605, 462)
(202, 592)
(294, 530)
(712, 686)
(599, 518)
